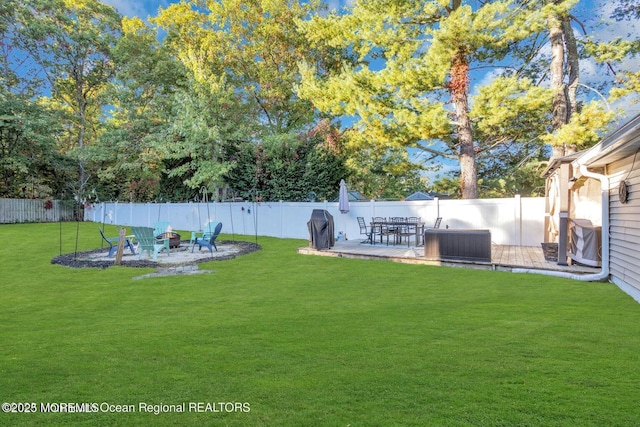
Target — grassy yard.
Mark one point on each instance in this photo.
(299, 340)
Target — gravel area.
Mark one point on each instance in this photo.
(177, 257)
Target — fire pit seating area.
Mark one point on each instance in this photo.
(149, 242)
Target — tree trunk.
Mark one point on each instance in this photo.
(82, 106)
(560, 106)
(459, 86)
(573, 71)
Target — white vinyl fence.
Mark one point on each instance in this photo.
(31, 210)
(517, 221)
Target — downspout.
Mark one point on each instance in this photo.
(604, 272)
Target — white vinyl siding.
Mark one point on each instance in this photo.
(625, 221)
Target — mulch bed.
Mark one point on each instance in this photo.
(78, 260)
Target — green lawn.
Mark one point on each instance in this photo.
(309, 341)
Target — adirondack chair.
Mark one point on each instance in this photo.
(148, 242)
(209, 237)
(113, 243)
(160, 227)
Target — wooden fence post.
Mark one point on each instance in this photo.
(120, 250)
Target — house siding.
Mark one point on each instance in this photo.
(625, 222)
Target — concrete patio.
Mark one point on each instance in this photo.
(504, 258)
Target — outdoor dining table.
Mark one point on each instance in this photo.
(397, 229)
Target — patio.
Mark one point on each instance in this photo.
(504, 258)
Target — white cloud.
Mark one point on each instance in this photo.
(486, 79)
(611, 29)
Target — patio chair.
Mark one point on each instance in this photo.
(395, 225)
(148, 242)
(209, 237)
(364, 230)
(160, 227)
(113, 243)
(384, 228)
(422, 228)
(409, 228)
(376, 225)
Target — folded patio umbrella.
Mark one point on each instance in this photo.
(343, 201)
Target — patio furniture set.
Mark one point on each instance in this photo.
(439, 244)
(394, 229)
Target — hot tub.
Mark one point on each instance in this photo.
(457, 245)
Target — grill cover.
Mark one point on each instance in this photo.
(586, 242)
(321, 234)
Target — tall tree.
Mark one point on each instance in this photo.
(255, 45)
(30, 165)
(415, 59)
(581, 110)
(242, 57)
(71, 41)
(207, 118)
(564, 62)
(128, 154)
(510, 115)
(9, 76)
(619, 50)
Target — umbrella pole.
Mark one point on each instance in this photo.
(343, 206)
(233, 234)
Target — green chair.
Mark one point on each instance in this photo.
(149, 243)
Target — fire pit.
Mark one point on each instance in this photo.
(174, 238)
